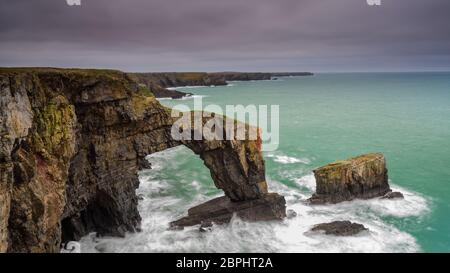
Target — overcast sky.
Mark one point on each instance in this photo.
(218, 35)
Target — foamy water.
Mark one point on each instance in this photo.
(168, 190)
(284, 159)
(188, 97)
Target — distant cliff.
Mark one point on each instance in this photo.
(71, 144)
(254, 76)
(292, 74)
(158, 83)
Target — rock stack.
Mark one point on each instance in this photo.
(361, 177)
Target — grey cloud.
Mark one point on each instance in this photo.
(258, 35)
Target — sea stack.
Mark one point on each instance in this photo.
(361, 177)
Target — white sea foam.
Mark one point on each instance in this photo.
(160, 206)
(193, 97)
(164, 98)
(307, 181)
(188, 97)
(284, 159)
(186, 87)
(71, 247)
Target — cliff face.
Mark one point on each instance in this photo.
(253, 76)
(175, 79)
(240, 76)
(37, 142)
(71, 144)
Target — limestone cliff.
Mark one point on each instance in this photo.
(71, 144)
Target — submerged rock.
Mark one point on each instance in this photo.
(168, 93)
(271, 206)
(205, 226)
(144, 164)
(361, 177)
(393, 195)
(291, 214)
(340, 228)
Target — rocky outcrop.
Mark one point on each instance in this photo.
(168, 93)
(361, 177)
(393, 195)
(339, 228)
(270, 206)
(72, 142)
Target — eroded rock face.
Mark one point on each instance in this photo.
(237, 167)
(38, 140)
(15, 121)
(72, 142)
(361, 177)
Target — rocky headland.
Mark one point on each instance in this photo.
(159, 83)
(71, 144)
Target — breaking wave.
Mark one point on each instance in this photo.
(188, 97)
(284, 159)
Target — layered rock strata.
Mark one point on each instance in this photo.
(362, 177)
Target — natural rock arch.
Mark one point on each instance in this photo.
(237, 167)
(78, 155)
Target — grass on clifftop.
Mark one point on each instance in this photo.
(109, 73)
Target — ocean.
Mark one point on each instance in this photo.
(323, 118)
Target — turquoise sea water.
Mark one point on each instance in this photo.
(323, 118)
